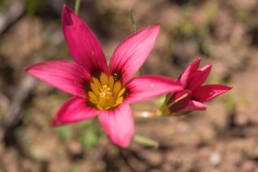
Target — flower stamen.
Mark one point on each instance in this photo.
(105, 92)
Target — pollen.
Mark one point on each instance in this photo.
(106, 92)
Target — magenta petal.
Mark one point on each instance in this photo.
(73, 110)
(83, 45)
(189, 71)
(64, 75)
(199, 77)
(119, 124)
(145, 87)
(208, 92)
(194, 105)
(179, 100)
(133, 51)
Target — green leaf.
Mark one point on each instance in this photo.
(89, 139)
(64, 132)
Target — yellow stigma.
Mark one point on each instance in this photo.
(106, 92)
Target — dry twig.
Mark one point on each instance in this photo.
(11, 16)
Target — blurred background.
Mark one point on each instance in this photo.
(223, 138)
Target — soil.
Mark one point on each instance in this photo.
(222, 138)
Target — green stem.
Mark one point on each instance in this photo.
(133, 21)
(77, 6)
(146, 141)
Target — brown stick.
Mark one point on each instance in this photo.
(11, 16)
(21, 94)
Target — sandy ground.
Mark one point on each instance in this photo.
(223, 138)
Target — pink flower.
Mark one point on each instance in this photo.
(99, 89)
(194, 94)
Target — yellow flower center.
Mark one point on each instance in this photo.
(106, 92)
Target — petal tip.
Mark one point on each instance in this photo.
(66, 9)
(206, 69)
(202, 109)
(195, 64)
(55, 123)
(27, 69)
(198, 60)
(155, 28)
(66, 16)
(65, 6)
(124, 145)
(227, 88)
(209, 65)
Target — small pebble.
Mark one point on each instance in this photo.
(215, 159)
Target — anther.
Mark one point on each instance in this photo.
(106, 92)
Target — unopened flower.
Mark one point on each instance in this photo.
(99, 89)
(194, 93)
